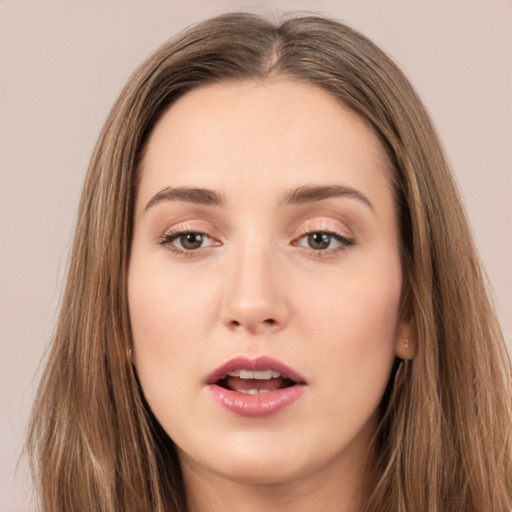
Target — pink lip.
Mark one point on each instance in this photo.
(260, 405)
(257, 364)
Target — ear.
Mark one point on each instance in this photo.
(130, 356)
(406, 345)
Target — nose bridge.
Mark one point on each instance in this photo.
(254, 299)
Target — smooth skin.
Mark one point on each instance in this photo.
(241, 271)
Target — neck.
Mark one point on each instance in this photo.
(326, 496)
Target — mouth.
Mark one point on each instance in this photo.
(255, 387)
(254, 382)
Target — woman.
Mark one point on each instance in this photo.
(273, 300)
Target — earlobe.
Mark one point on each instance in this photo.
(405, 349)
(406, 346)
(129, 356)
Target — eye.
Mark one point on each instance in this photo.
(320, 241)
(186, 241)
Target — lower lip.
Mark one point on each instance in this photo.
(256, 406)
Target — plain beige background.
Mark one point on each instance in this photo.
(62, 65)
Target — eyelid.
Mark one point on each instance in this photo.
(167, 238)
(190, 226)
(324, 226)
(342, 236)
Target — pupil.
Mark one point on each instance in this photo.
(191, 240)
(319, 240)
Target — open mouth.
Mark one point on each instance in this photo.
(254, 382)
(255, 387)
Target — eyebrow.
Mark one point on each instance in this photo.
(189, 194)
(301, 195)
(312, 193)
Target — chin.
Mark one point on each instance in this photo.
(255, 471)
(251, 460)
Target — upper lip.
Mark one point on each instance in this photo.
(255, 364)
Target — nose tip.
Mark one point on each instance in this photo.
(255, 301)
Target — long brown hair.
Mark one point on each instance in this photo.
(444, 442)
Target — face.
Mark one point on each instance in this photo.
(265, 281)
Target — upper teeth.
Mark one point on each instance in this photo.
(249, 374)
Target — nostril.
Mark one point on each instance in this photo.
(253, 323)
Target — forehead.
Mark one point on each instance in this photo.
(266, 135)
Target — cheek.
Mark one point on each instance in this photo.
(354, 332)
(170, 321)
(354, 326)
(169, 326)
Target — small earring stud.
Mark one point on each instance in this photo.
(406, 343)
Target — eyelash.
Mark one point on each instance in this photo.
(167, 240)
(344, 241)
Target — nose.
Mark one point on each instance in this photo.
(255, 299)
